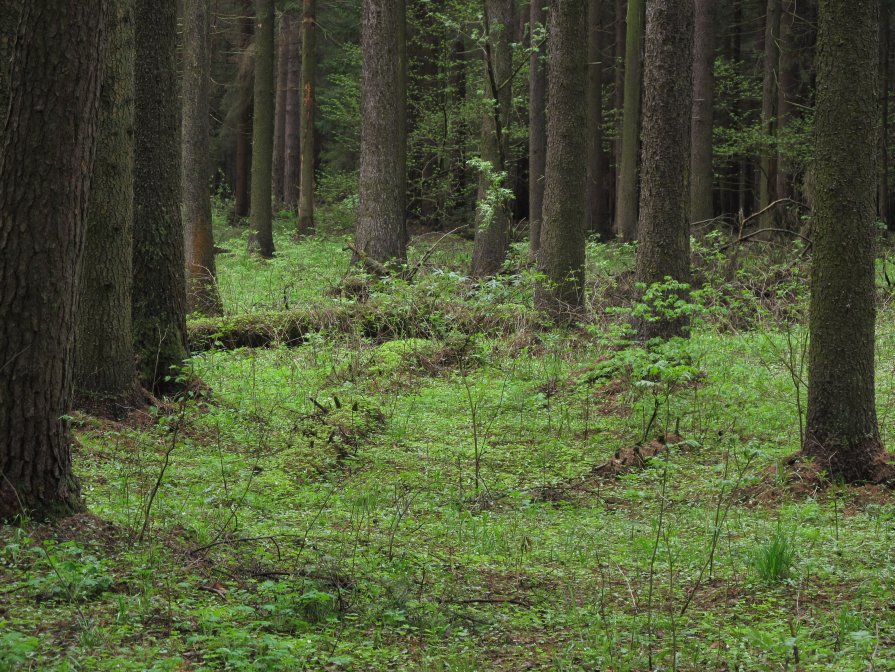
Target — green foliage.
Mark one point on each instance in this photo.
(773, 559)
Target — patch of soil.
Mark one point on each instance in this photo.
(83, 528)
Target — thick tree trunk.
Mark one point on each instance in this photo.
(768, 178)
(279, 133)
(664, 246)
(46, 160)
(261, 239)
(627, 197)
(242, 188)
(293, 114)
(383, 153)
(202, 286)
(597, 219)
(701, 172)
(492, 235)
(159, 293)
(308, 101)
(105, 379)
(537, 130)
(841, 430)
(561, 258)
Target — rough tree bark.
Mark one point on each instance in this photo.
(242, 188)
(786, 87)
(841, 430)
(308, 96)
(597, 217)
(105, 379)
(45, 166)
(701, 173)
(202, 286)
(261, 239)
(293, 114)
(561, 258)
(383, 153)
(537, 130)
(279, 134)
(492, 235)
(159, 293)
(767, 187)
(626, 198)
(664, 244)
(9, 19)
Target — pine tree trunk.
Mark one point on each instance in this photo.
(885, 85)
(9, 19)
(293, 114)
(841, 430)
(159, 294)
(261, 239)
(308, 100)
(46, 160)
(664, 246)
(537, 131)
(627, 197)
(561, 258)
(202, 286)
(105, 379)
(597, 219)
(786, 87)
(279, 133)
(768, 177)
(383, 154)
(242, 188)
(618, 102)
(701, 173)
(492, 235)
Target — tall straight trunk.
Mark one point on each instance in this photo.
(885, 85)
(105, 379)
(9, 19)
(308, 100)
(261, 239)
(597, 219)
(492, 235)
(664, 246)
(786, 88)
(537, 131)
(279, 133)
(243, 171)
(618, 102)
(46, 160)
(293, 114)
(627, 197)
(841, 430)
(768, 177)
(383, 152)
(202, 286)
(159, 294)
(561, 258)
(701, 172)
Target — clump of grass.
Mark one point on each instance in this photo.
(773, 561)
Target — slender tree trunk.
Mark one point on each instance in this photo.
(105, 379)
(159, 294)
(618, 75)
(664, 246)
(261, 239)
(46, 160)
(786, 88)
(308, 100)
(627, 199)
(244, 132)
(202, 286)
(293, 114)
(9, 19)
(537, 131)
(885, 85)
(701, 173)
(561, 258)
(768, 177)
(841, 430)
(597, 219)
(492, 235)
(383, 154)
(279, 134)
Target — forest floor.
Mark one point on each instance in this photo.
(465, 488)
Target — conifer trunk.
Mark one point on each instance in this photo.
(701, 173)
(279, 133)
(627, 197)
(243, 173)
(537, 131)
(597, 217)
(261, 239)
(293, 114)
(308, 101)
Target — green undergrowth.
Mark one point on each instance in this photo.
(463, 499)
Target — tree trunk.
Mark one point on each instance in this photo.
(626, 202)
(308, 73)
(261, 239)
(701, 173)
(105, 379)
(561, 258)
(159, 294)
(279, 134)
(383, 152)
(537, 130)
(768, 178)
(618, 77)
(9, 19)
(885, 76)
(492, 235)
(242, 188)
(841, 430)
(293, 114)
(202, 286)
(664, 246)
(46, 161)
(597, 220)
